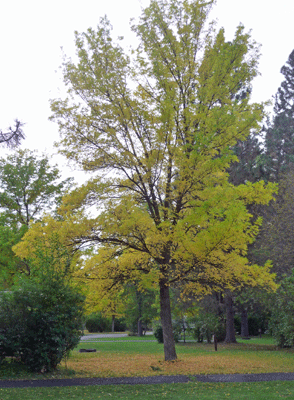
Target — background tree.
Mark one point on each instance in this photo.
(13, 136)
(279, 137)
(275, 241)
(250, 167)
(158, 134)
(282, 306)
(29, 186)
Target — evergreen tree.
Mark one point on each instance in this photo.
(275, 240)
(279, 138)
(250, 164)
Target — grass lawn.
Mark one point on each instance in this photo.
(127, 358)
(178, 391)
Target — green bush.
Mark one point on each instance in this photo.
(120, 325)
(205, 325)
(158, 333)
(282, 320)
(255, 322)
(95, 322)
(40, 323)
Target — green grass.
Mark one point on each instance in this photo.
(251, 351)
(127, 358)
(124, 346)
(187, 391)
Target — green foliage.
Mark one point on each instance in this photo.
(206, 324)
(255, 322)
(158, 332)
(29, 186)
(40, 323)
(139, 305)
(41, 318)
(279, 137)
(97, 322)
(282, 319)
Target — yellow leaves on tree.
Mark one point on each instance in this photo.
(157, 130)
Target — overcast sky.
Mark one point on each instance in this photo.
(32, 33)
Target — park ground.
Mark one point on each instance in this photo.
(138, 357)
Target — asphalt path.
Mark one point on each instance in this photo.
(103, 336)
(107, 335)
(148, 380)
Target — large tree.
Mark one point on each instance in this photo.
(157, 129)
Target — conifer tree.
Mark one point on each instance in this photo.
(279, 137)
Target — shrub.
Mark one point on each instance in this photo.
(40, 323)
(207, 324)
(95, 322)
(120, 324)
(158, 333)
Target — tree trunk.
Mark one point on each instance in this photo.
(166, 322)
(244, 323)
(230, 329)
(139, 325)
(112, 325)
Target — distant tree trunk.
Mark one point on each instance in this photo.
(112, 325)
(139, 299)
(230, 329)
(140, 327)
(166, 322)
(244, 323)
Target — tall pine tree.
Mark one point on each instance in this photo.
(279, 138)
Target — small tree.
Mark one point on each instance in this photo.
(41, 319)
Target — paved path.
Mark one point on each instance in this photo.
(108, 335)
(289, 376)
(104, 336)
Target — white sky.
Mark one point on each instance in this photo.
(32, 33)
